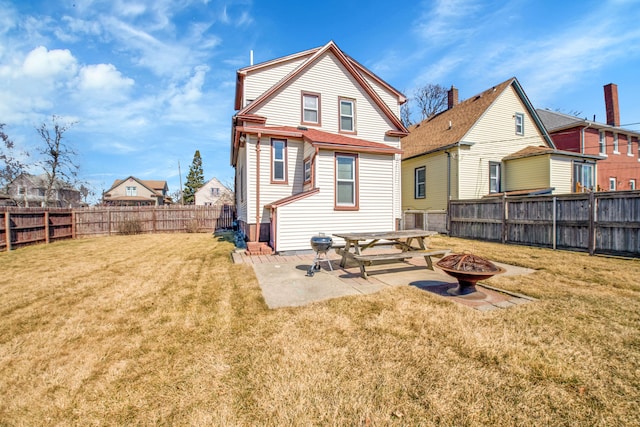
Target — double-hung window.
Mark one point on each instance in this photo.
(347, 115)
(310, 108)
(519, 123)
(420, 182)
(494, 177)
(615, 143)
(612, 183)
(132, 191)
(629, 146)
(346, 182)
(278, 161)
(215, 191)
(632, 184)
(603, 142)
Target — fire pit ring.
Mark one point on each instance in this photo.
(468, 269)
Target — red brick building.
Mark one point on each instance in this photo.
(620, 167)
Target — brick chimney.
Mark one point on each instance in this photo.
(611, 104)
(452, 97)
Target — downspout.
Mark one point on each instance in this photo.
(582, 138)
(313, 166)
(448, 191)
(258, 187)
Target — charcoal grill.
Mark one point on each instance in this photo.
(321, 245)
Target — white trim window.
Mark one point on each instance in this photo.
(602, 141)
(310, 108)
(632, 184)
(347, 115)
(346, 181)
(494, 177)
(612, 184)
(629, 146)
(132, 191)
(278, 160)
(420, 181)
(583, 177)
(615, 144)
(519, 123)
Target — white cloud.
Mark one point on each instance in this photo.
(42, 63)
(103, 78)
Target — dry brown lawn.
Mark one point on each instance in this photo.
(164, 329)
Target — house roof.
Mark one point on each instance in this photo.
(532, 151)
(155, 186)
(321, 139)
(41, 181)
(555, 121)
(357, 71)
(449, 127)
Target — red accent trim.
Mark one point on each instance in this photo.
(290, 199)
(285, 162)
(302, 121)
(356, 195)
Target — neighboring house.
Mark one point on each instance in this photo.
(620, 167)
(490, 144)
(213, 192)
(29, 191)
(316, 148)
(132, 191)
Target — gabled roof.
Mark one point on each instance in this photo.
(154, 186)
(321, 139)
(449, 127)
(555, 121)
(356, 70)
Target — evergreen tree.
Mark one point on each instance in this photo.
(195, 179)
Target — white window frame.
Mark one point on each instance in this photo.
(215, 191)
(420, 185)
(582, 171)
(312, 109)
(615, 144)
(276, 160)
(307, 170)
(131, 191)
(519, 123)
(629, 146)
(612, 184)
(632, 184)
(495, 172)
(602, 142)
(351, 180)
(351, 116)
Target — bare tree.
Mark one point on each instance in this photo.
(430, 100)
(405, 114)
(10, 167)
(59, 159)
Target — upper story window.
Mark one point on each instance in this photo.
(347, 115)
(215, 191)
(346, 182)
(279, 161)
(310, 108)
(494, 177)
(629, 146)
(132, 191)
(519, 124)
(603, 142)
(22, 190)
(420, 182)
(615, 143)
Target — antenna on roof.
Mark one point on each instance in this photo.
(251, 57)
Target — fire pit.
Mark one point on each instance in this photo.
(321, 245)
(468, 269)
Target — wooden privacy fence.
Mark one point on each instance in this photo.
(604, 222)
(22, 226)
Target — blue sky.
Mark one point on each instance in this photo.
(150, 81)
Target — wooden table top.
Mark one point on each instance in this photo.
(385, 235)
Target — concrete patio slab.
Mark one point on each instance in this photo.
(285, 283)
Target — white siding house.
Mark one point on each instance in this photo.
(316, 148)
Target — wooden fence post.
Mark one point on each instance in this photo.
(73, 224)
(46, 227)
(592, 219)
(7, 229)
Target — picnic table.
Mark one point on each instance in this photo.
(357, 244)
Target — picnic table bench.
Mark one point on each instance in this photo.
(357, 243)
